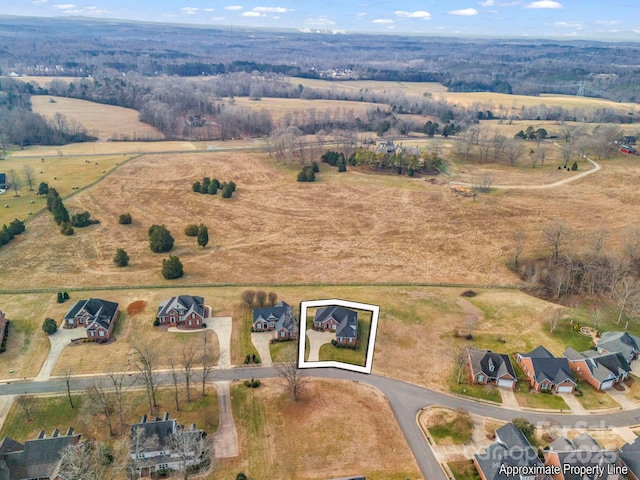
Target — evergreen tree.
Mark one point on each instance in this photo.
(172, 268)
(203, 235)
(43, 188)
(160, 239)
(191, 230)
(196, 187)
(121, 258)
(227, 191)
(60, 213)
(49, 326)
(125, 219)
(212, 190)
(16, 227)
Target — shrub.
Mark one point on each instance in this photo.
(156, 322)
(65, 295)
(227, 192)
(524, 426)
(574, 167)
(212, 189)
(49, 326)
(16, 227)
(124, 219)
(66, 229)
(306, 175)
(43, 188)
(342, 168)
(83, 219)
(160, 239)
(315, 167)
(333, 342)
(121, 259)
(60, 297)
(204, 325)
(203, 235)
(468, 293)
(196, 187)
(191, 230)
(241, 476)
(172, 268)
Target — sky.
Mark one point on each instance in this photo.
(570, 19)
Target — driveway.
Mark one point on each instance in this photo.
(316, 340)
(574, 405)
(225, 440)
(58, 340)
(222, 327)
(509, 399)
(262, 340)
(621, 397)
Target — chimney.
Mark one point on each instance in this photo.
(41, 435)
(193, 427)
(166, 416)
(70, 432)
(56, 433)
(144, 418)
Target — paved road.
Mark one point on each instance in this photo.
(406, 401)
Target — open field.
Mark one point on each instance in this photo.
(100, 120)
(282, 109)
(485, 100)
(334, 419)
(446, 426)
(104, 148)
(69, 172)
(451, 238)
(54, 412)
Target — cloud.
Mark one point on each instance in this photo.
(578, 25)
(217, 19)
(465, 12)
(189, 10)
(304, 30)
(544, 4)
(416, 14)
(382, 21)
(209, 9)
(487, 3)
(607, 22)
(253, 14)
(361, 14)
(66, 6)
(270, 9)
(233, 7)
(36, 2)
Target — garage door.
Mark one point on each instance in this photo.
(505, 383)
(607, 384)
(564, 389)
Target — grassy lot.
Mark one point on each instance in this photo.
(106, 148)
(102, 121)
(593, 399)
(241, 344)
(68, 172)
(447, 427)
(268, 421)
(348, 355)
(480, 392)
(50, 413)
(633, 383)
(283, 351)
(464, 470)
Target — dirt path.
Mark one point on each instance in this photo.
(225, 440)
(564, 181)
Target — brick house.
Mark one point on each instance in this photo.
(183, 311)
(581, 452)
(97, 316)
(486, 367)
(35, 459)
(511, 449)
(623, 342)
(340, 320)
(545, 372)
(151, 445)
(601, 370)
(279, 319)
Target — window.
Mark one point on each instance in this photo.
(101, 333)
(282, 334)
(189, 322)
(544, 386)
(481, 378)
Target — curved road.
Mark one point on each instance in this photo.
(406, 401)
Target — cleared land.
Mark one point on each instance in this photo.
(334, 419)
(89, 149)
(350, 227)
(102, 121)
(61, 173)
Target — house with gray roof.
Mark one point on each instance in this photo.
(97, 316)
(341, 320)
(39, 458)
(582, 459)
(601, 370)
(545, 372)
(623, 342)
(185, 311)
(510, 449)
(152, 445)
(629, 454)
(486, 367)
(279, 319)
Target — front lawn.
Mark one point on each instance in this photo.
(633, 384)
(348, 355)
(464, 470)
(481, 392)
(593, 399)
(532, 399)
(282, 352)
(447, 427)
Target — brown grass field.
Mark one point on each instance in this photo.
(105, 148)
(351, 227)
(102, 121)
(335, 420)
(69, 172)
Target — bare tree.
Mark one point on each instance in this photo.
(261, 298)
(556, 236)
(175, 381)
(94, 461)
(188, 360)
(518, 239)
(632, 242)
(100, 405)
(248, 297)
(482, 183)
(273, 298)
(498, 143)
(67, 374)
(599, 239)
(514, 151)
(27, 403)
(29, 176)
(208, 360)
(145, 362)
(193, 449)
(120, 387)
(551, 316)
(459, 356)
(15, 181)
(294, 378)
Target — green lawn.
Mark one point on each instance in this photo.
(571, 338)
(593, 399)
(241, 344)
(532, 399)
(348, 355)
(451, 427)
(481, 392)
(464, 470)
